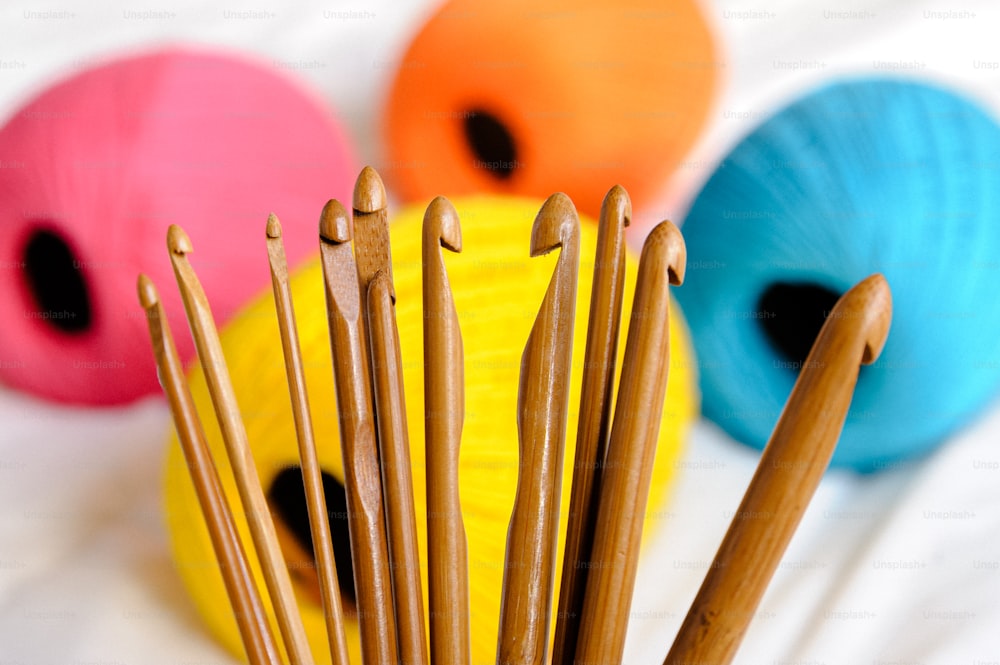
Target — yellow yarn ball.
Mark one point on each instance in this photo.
(497, 292)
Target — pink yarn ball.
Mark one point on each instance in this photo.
(94, 170)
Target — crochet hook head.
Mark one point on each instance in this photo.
(334, 224)
(870, 300)
(441, 224)
(555, 224)
(371, 230)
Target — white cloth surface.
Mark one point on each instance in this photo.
(902, 567)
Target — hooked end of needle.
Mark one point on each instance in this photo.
(555, 224)
(273, 226)
(369, 192)
(618, 205)
(148, 296)
(334, 225)
(869, 301)
(442, 225)
(178, 241)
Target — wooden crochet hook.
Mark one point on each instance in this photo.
(394, 445)
(629, 465)
(248, 607)
(594, 424)
(543, 401)
(220, 387)
(789, 471)
(444, 414)
(362, 476)
(374, 261)
(312, 476)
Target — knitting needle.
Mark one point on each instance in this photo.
(631, 449)
(312, 477)
(248, 607)
(362, 481)
(220, 388)
(543, 394)
(372, 253)
(444, 409)
(787, 475)
(387, 377)
(595, 417)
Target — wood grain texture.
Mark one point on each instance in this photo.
(220, 387)
(246, 601)
(594, 425)
(362, 475)
(543, 394)
(789, 471)
(444, 412)
(629, 463)
(372, 251)
(312, 476)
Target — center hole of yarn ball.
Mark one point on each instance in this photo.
(491, 143)
(287, 498)
(56, 283)
(792, 315)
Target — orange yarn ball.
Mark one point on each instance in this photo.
(528, 97)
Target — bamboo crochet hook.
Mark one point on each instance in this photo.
(362, 477)
(387, 378)
(312, 477)
(543, 394)
(220, 387)
(248, 607)
(444, 413)
(374, 262)
(629, 466)
(594, 424)
(789, 471)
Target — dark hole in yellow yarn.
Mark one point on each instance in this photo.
(287, 498)
(56, 283)
(792, 315)
(491, 143)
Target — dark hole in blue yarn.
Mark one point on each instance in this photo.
(287, 497)
(56, 283)
(491, 142)
(792, 315)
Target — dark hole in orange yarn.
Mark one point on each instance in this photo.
(491, 143)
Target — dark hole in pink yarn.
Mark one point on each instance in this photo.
(56, 283)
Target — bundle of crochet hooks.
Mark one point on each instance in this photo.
(613, 453)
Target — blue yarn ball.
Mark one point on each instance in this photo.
(863, 176)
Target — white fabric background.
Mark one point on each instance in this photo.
(893, 569)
